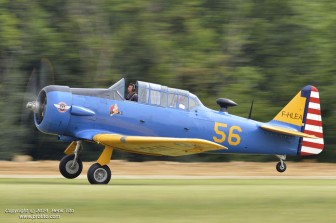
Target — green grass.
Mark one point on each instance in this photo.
(173, 200)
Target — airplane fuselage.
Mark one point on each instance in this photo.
(239, 135)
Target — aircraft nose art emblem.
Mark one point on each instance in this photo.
(62, 107)
(114, 110)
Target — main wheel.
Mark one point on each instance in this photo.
(281, 168)
(98, 174)
(69, 169)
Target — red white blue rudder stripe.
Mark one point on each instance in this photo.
(312, 123)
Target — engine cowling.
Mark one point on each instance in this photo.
(52, 109)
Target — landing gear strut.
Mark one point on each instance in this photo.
(281, 166)
(71, 166)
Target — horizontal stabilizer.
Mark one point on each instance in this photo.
(286, 131)
(159, 146)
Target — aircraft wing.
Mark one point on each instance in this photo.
(286, 131)
(159, 146)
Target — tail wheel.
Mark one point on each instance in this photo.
(281, 167)
(69, 167)
(98, 174)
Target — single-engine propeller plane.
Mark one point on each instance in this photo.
(169, 122)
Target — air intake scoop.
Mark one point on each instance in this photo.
(225, 103)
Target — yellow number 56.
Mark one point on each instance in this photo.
(233, 138)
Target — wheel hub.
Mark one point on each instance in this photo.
(100, 175)
(72, 167)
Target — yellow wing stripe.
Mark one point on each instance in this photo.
(157, 145)
(286, 131)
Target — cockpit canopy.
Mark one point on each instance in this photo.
(155, 94)
(158, 95)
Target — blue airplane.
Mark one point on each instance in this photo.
(164, 121)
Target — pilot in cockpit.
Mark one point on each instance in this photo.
(131, 94)
(182, 102)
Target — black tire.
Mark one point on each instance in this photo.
(98, 174)
(281, 168)
(65, 167)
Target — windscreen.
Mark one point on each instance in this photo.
(118, 89)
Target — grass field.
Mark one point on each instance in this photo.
(181, 201)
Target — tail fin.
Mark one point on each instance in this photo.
(303, 113)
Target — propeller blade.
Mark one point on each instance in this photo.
(42, 75)
(46, 73)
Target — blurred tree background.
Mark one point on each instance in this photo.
(265, 50)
